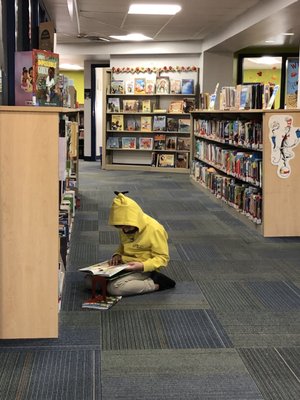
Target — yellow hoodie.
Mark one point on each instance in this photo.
(149, 244)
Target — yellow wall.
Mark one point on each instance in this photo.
(264, 76)
(78, 78)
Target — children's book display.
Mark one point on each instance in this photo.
(37, 80)
(149, 109)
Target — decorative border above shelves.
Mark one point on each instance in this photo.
(137, 70)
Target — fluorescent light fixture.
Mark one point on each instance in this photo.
(265, 60)
(71, 8)
(104, 39)
(132, 36)
(288, 34)
(71, 67)
(269, 41)
(154, 9)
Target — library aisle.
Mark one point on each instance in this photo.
(229, 330)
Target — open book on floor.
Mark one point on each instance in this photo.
(105, 269)
(98, 303)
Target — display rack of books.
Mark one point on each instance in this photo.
(147, 121)
(30, 150)
(251, 161)
(81, 134)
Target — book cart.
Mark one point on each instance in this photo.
(147, 123)
(31, 201)
(251, 160)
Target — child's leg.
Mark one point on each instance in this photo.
(135, 283)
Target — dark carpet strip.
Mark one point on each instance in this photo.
(161, 329)
(272, 375)
(43, 375)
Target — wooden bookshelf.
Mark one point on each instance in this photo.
(131, 107)
(29, 197)
(280, 194)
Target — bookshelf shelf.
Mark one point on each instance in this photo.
(271, 169)
(162, 117)
(29, 215)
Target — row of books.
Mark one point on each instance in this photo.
(148, 124)
(236, 132)
(242, 165)
(248, 96)
(159, 142)
(144, 86)
(115, 105)
(244, 198)
(168, 160)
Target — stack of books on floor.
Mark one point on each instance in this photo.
(97, 303)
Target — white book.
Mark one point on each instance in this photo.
(104, 269)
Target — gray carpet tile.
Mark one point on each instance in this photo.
(179, 271)
(158, 329)
(109, 237)
(66, 374)
(291, 357)
(235, 270)
(83, 253)
(181, 374)
(289, 268)
(272, 375)
(230, 296)
(249, 328)
(277, 296)
(275, 251)
(83, 225)
(186, 295)
(194, 251)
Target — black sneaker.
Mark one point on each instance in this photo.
(162, 280)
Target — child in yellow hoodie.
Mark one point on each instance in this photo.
(143, 246)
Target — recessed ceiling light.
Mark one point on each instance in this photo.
(154, 9)
(269, 41)
(132, 36)
(288, 34)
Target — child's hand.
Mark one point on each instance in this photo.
(135, 266)
(116, 259)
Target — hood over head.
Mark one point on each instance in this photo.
(125, 211)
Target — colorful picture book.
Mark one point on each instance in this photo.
(145, 143)
(113, 104)
(150, 87)
(130, 105)
(182, 160)
(162, 85)
(172, 124)
(159, 123)
(132, 123)
(98, 303)
(129, 143)
(112, 142)
(146, 105)
(146, 123)
(117, 86)
(176, 107)
(165, 160)
(104, 269)
(184, 125)
(117, 122)
(129, 87)
(187, 86)
(175, 86)
(171, 143)
(139, 86)
(183, 143)
(160, 142)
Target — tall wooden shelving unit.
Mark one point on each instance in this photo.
(29, 197)
(137, 159)
(280, 195)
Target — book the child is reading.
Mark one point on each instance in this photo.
(99, 304)
(105, 269)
